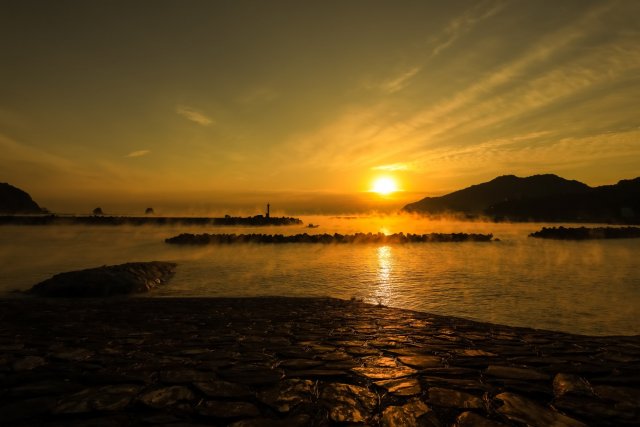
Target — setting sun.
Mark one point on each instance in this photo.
(384, 185)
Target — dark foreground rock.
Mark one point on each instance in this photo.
(123, 279)
(584, 233)
(357, 238)
(298, 362)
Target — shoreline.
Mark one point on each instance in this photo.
(300, 361)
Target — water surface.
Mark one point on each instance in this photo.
(590, 287)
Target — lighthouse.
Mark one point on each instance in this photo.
(268, 206)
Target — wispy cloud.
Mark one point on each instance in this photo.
(193, 115)
(138, 153)
(392, 167)
(399, 82)
(463, 24)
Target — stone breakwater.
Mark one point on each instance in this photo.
(298, 362)
(370, 238)
(584, 233)
(105, 281)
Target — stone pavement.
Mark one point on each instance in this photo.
(297, 362)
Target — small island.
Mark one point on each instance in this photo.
(357, 238)
(584, 233)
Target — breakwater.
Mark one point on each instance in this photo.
(584, 233)
(357, 238)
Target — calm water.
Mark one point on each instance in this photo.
(583, 287)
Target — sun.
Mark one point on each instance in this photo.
(384, 186)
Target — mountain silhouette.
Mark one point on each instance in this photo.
(539, 198)
(15, 201)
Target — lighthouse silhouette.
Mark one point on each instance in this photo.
(268, 206)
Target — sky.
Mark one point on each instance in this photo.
(229, 104)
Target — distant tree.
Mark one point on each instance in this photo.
(98, 211)
(149, 211)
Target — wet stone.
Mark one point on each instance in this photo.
(185, 376)
(381, 362)
(167, 396)
(219, 409)
(348, 403)
(108, 398)
(223, 389)
(475, 353)
(401, 387)
(298, 420)
(406, 415)
(251, 375)
(28, 363)
(454, 399)
(625, 395)
(299, 364)
(520, 409)
(515, 373)
(471, 419)
(288, 394)
(421, 361)
(567, 384)
(384, 373)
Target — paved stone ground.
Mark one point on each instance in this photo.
(296, 362)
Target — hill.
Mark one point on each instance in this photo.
(539, 198)
(15, 201)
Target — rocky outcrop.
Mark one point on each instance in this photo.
(123, 279)
(375, 238)
(15, 201)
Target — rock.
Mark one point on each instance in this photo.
(405, 415)
(108, 398)
(299, 420)
(288, 394)
(471, 419)
(123, 279)
(223, 389)
(252, 376)
(515, 373)
(567, 384)
(348, 403)
(623, 395)
(401, 387)
(421, 361)
(166, 396)
(28, 363)
(218, 409)
(384, 373)
(520, 409)
(454, 399)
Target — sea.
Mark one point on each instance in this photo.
(583, 287)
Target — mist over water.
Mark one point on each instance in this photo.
(589, 287)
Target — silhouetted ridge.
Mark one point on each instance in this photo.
(16, 201)
(539, 198)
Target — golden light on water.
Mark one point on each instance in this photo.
(384, 186)
(385, 261)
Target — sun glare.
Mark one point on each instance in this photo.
(384, 186)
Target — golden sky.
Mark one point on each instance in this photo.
(187, 101)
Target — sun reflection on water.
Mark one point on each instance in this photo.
(384, 291)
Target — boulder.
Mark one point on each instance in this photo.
(122, 279)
